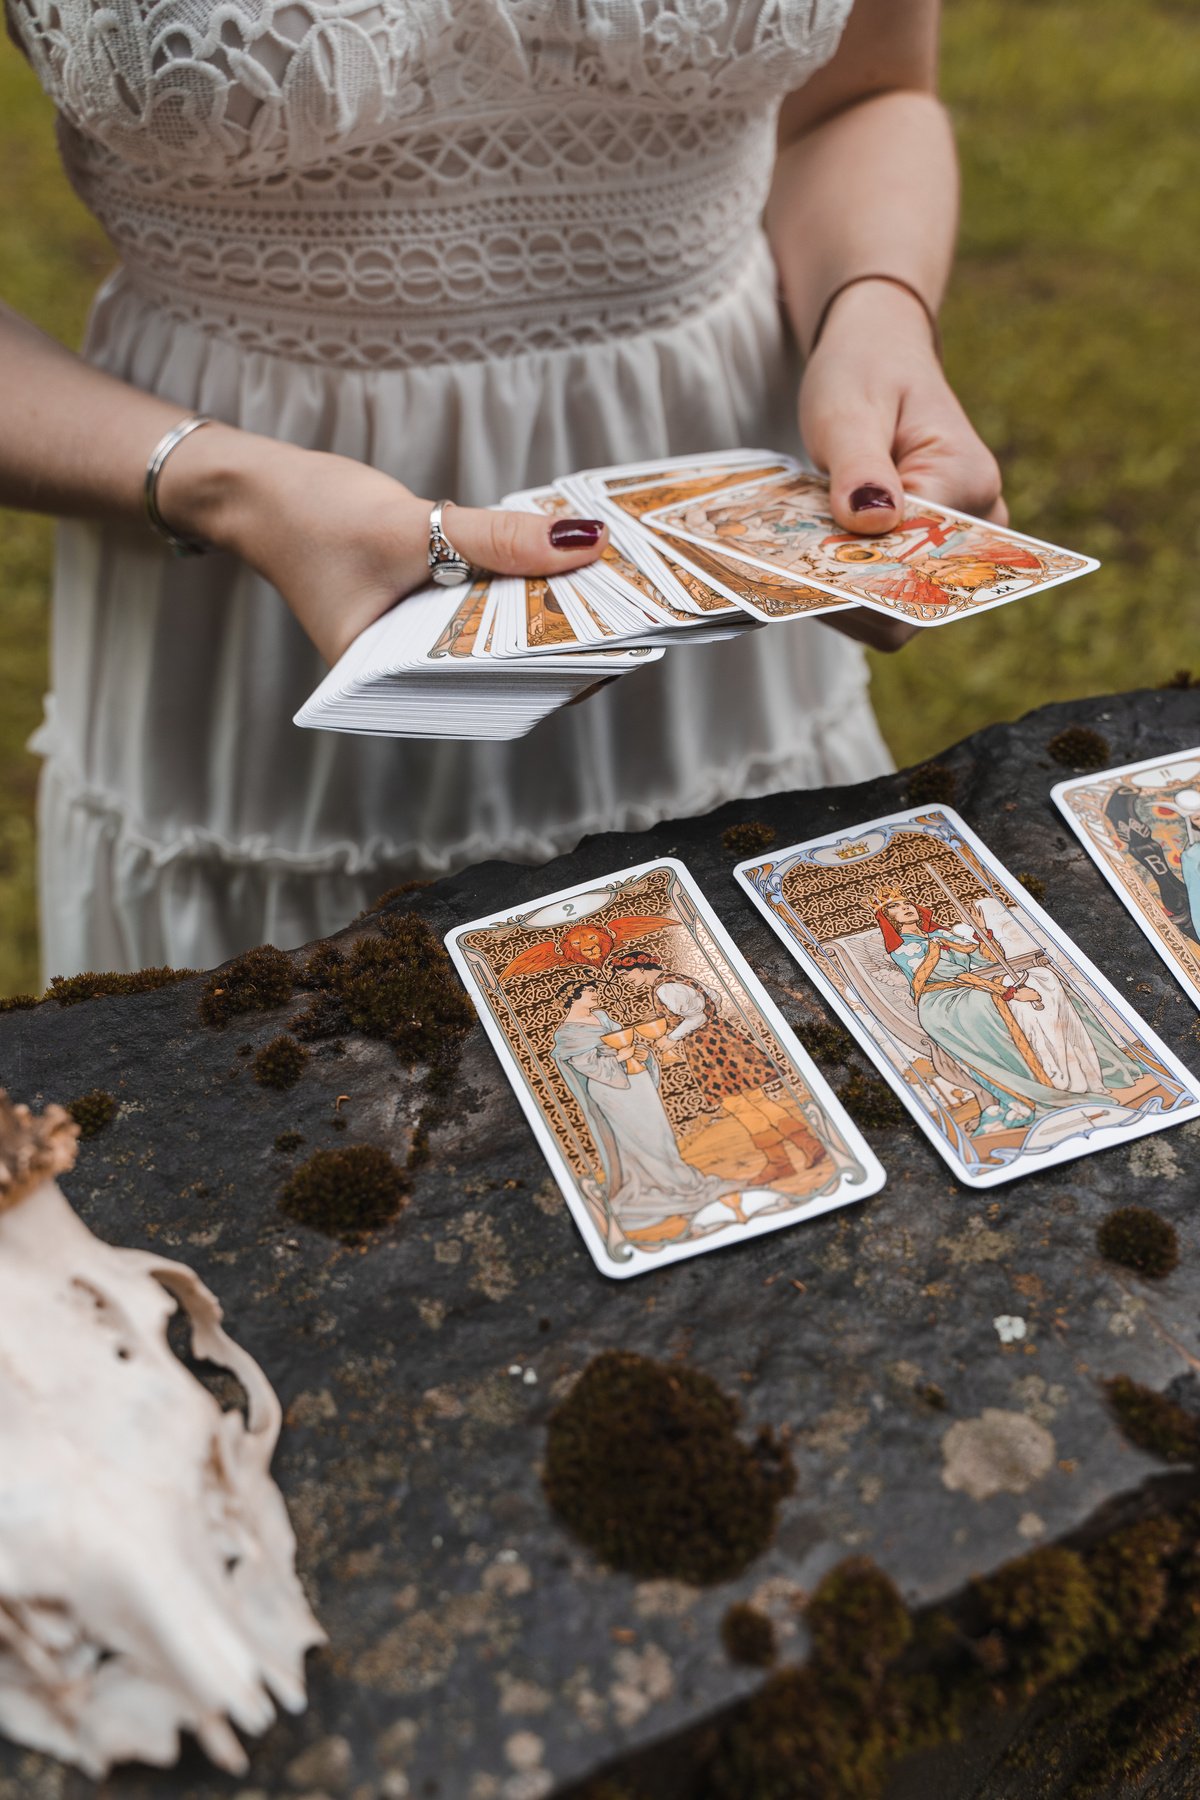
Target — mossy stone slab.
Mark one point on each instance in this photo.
(477, 1651)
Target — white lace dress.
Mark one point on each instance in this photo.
(476, 243)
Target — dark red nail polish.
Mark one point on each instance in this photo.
(575, 534)
(869, 498)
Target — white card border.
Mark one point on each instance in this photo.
(1072, 1150)
(1058, 794)
(644, 1261)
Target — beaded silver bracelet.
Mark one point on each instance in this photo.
(182, 546)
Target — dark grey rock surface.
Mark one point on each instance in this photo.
(477, 1652)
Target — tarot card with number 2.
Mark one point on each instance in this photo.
(674, 1106)
(1141, 827)
(1011, 1051)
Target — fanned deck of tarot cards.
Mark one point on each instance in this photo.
(700, 548)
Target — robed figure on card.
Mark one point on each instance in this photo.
(1008, 1047)
(1141, 825)
(673, 1103)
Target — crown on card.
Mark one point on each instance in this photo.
(882, 896)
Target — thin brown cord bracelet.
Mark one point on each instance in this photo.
(896, 281)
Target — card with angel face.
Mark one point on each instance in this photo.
(1011, 1051)
(936, 566)
(674, 1106)
(1141, 827)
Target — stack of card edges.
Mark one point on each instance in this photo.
(700, 548)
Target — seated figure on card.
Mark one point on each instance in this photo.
(1028, 1042)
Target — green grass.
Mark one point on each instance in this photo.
(52, 256)
(1069, 335)
(1070, 338)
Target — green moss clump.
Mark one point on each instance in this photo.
(1130, 1573)
(748, 1636)
(69, 990)
(750, 838)
(643, 1463)
(826, 1040)
(1046, 1609)
(790, 1743)
(322, 1018)
(287, 1141)
(1033, 884)
(320, 966)
(280, 1063)
(931, 784)
(831, 1730)
(256, 981)
(1139, 1239)
(346, 1193)
(1079, 747)
(392, 894)
(401, 986)
(870, 1101)
(19, 1002)
(857, 1620)
(397, 984)
(1152, 1422)
(93, 1111)
(1107, 1635)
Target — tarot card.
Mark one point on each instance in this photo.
(544, 625)
(768, 595)
(461, 629)
(937, 565)
(1141, 826)
(674, 1106)
(1011, 1051)
(622, 594)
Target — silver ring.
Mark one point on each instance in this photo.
(446, 566)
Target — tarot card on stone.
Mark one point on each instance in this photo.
(1011, 1051)
(937, 565)
(1141, 827)
(674, 1106)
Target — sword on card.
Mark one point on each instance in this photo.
(979, 927)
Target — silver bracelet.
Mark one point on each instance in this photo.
(182, 546)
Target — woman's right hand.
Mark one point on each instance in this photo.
(339, 540)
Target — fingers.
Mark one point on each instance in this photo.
(957, 470)
(518, 543)
(865, 490)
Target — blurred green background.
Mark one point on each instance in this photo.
(1070, 336)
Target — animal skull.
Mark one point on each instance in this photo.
(147, 1580)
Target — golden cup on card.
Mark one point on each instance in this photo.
(622, 1040)
(649, 1030)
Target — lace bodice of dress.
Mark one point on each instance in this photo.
(388, 182)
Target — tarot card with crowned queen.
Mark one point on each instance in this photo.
(674, 1106)
(1008, 1047)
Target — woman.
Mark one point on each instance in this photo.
(405, 249)
(980, 1017)
(651, 1193)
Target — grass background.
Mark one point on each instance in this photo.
(1069, 335)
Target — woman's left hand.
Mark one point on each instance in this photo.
(877, 412)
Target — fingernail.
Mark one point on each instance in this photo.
(575, 534)
(869, 497)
